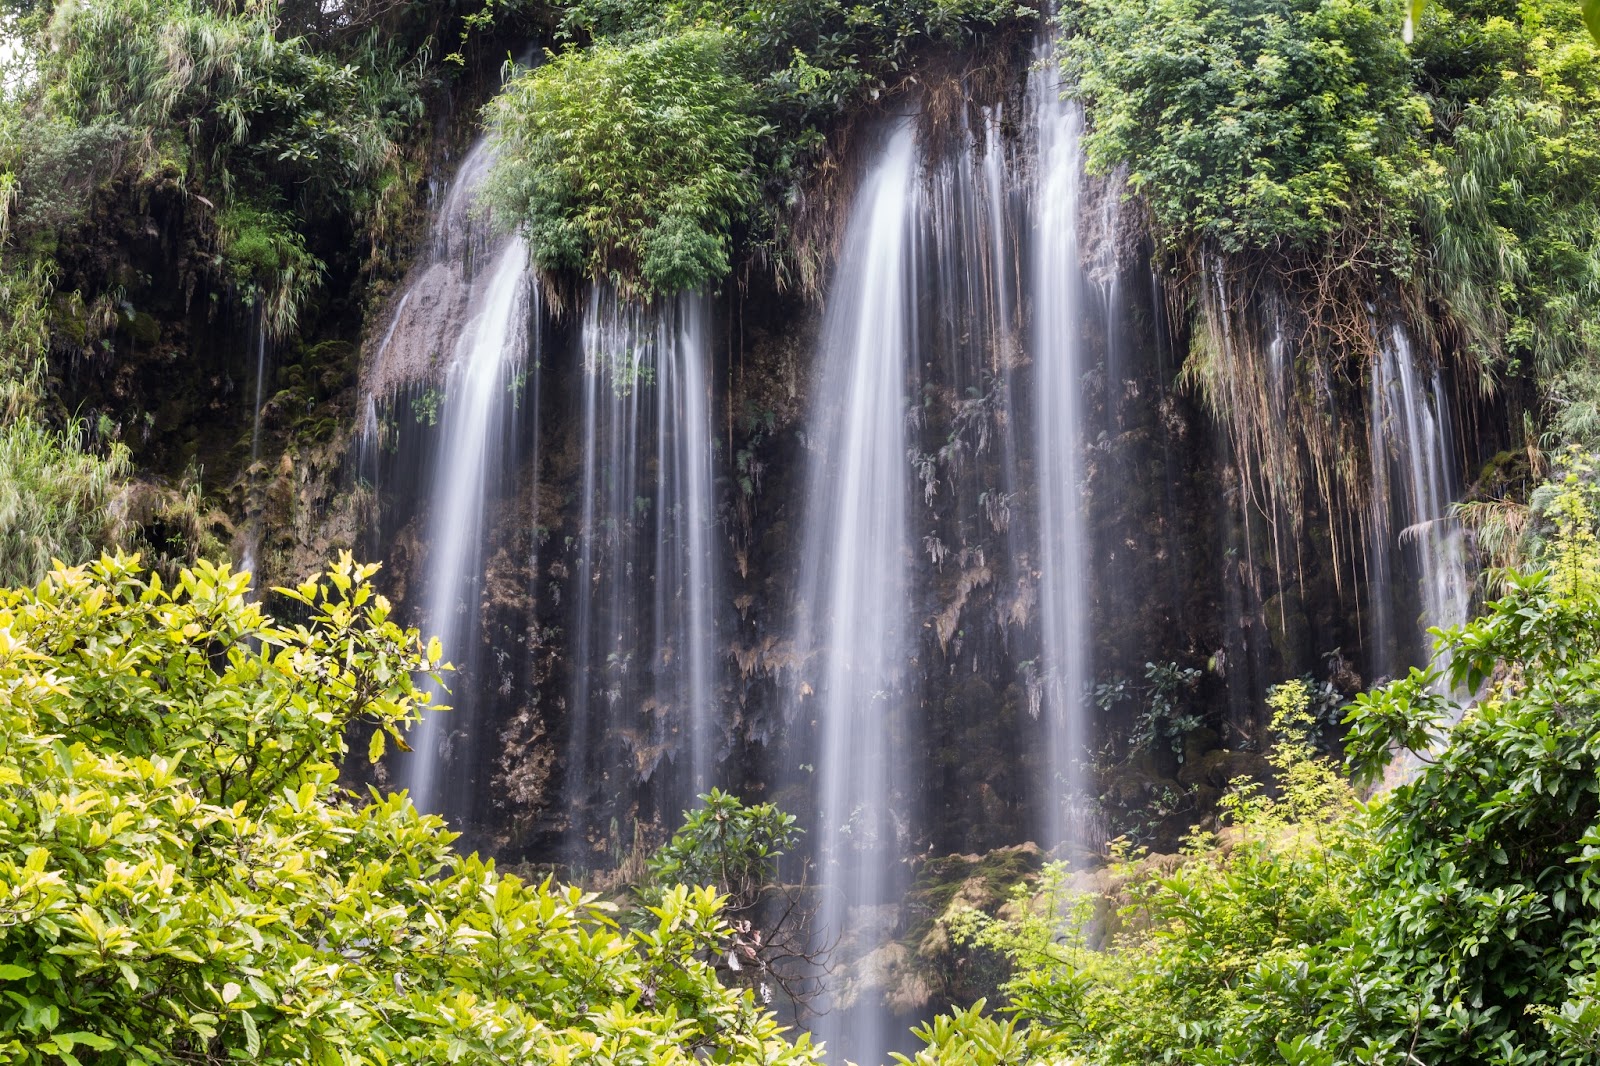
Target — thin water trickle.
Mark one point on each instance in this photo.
(644, 652)
(252, 546)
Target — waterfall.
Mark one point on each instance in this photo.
(247, 560)
(1412, 489)
(853, 580)
(645, 673)
(461, 322)
(1055, 288)
(475, 431)
(686, 565)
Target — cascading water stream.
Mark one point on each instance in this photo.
(685, 553)
(1412, 489)
(853, 580)
(1055, 288)
(644, 697)
(468, 306)
(475, 425)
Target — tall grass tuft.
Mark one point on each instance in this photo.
(56, 498)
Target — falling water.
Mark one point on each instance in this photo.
(853, 579)
(685, 557)
(1413, 487)
(1055, 287)
(247, 561)
(474, 428)
(462, 321)
(644, 636)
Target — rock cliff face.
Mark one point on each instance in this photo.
(574, 724)
(1095, 587)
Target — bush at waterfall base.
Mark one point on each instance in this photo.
(1454, 919)
(183, 880)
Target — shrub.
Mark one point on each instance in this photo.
(183, 879)
(631, 162)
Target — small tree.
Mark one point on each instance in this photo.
(736, 849)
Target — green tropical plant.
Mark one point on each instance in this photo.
(182, 878)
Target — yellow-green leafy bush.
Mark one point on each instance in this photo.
(182, 879)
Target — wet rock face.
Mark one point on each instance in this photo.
(1181, 569)
(1157, 503)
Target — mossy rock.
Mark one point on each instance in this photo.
(973, 882)
(143, 329)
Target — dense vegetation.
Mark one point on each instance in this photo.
(1453, 919)
(182, 880)
(704, 119)
(169, 168)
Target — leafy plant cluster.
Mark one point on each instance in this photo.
(183, 880)
(1307, 139)
(1269, 124)
(1162, 711)
(668, 129)
(1453, 919)
(727, 844)
(1514, 219)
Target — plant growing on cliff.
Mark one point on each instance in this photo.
(56, 497)
(630, 162)
(703, 119)
(1267, 125)
(185, 881)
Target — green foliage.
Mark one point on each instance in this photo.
(725, 844)
(25, 290)
(267, 261)
(222, 91)
(1454, 921)
(425, 406)
(1162, 714)
(1515, 223)
(701, 116)
(56, 498)
(273, 133)
(671, 130)
(181, 879)
(1263, 125)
